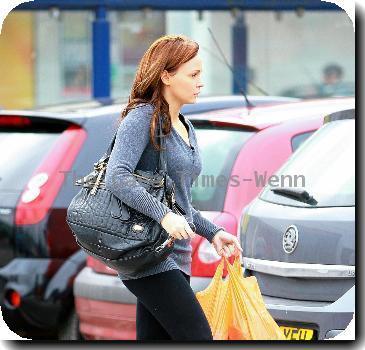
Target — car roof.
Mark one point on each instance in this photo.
(215, 101)
(278, 110)
(78, 112)
(265, 116)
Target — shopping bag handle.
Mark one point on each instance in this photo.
(236, 261)
(224, 261)
(236, 264)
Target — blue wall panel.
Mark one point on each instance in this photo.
(101, 54)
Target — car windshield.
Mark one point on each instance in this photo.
(219, 148)
(324, 166)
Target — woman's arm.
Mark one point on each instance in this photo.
(204, 227)
(131, 140)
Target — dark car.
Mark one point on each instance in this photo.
(43, 152)
(298, 235)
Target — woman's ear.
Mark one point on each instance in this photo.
(165, 77)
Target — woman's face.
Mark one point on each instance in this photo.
(184, 85)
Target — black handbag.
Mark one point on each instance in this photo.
(112, 232)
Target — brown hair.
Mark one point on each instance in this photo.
(166, 53)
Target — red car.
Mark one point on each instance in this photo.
(241, 149)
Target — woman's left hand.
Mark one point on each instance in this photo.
(226, 244)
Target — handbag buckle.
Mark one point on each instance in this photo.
(98, 181)
(168, 243)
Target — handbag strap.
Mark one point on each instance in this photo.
(162, 142)
(162, 156)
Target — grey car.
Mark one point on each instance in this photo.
(298, 235)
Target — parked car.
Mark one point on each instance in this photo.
(240, 147)
(298, 235)
(43, 151)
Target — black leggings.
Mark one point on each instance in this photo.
(167, 308)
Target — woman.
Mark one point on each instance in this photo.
(168, 76)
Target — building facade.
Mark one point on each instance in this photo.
(46, 56)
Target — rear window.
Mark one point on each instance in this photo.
(324, 166)
(297, 140)
(21, 153)
(219, 148)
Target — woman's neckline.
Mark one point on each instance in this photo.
(182, 119)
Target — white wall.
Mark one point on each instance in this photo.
(285, 53)
(216, 76)
(294, 50)
(48, 65)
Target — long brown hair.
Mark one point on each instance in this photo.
(166, 53)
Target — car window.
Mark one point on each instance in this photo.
(324, 167)
(297, 140)
(21, 153)
(219, 148)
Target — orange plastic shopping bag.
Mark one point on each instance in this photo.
(235, 308)
(214, 301)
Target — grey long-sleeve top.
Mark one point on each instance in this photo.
(133, 150)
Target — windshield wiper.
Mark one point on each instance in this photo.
(296, 193)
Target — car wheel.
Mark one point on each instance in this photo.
(70, 330)
(18, 325)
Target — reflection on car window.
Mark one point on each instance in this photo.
(327, 164)
(32, 146)
(297, 140)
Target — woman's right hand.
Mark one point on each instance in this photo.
(177, 226)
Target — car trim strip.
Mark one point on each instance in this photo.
(286, 269)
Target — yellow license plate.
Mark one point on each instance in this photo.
(293, 333)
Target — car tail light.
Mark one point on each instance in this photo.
(207, 254)
(205, 258)
(14, 121)
(46, 181)
(13, 298)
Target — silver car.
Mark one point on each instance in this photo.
(298, 235)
